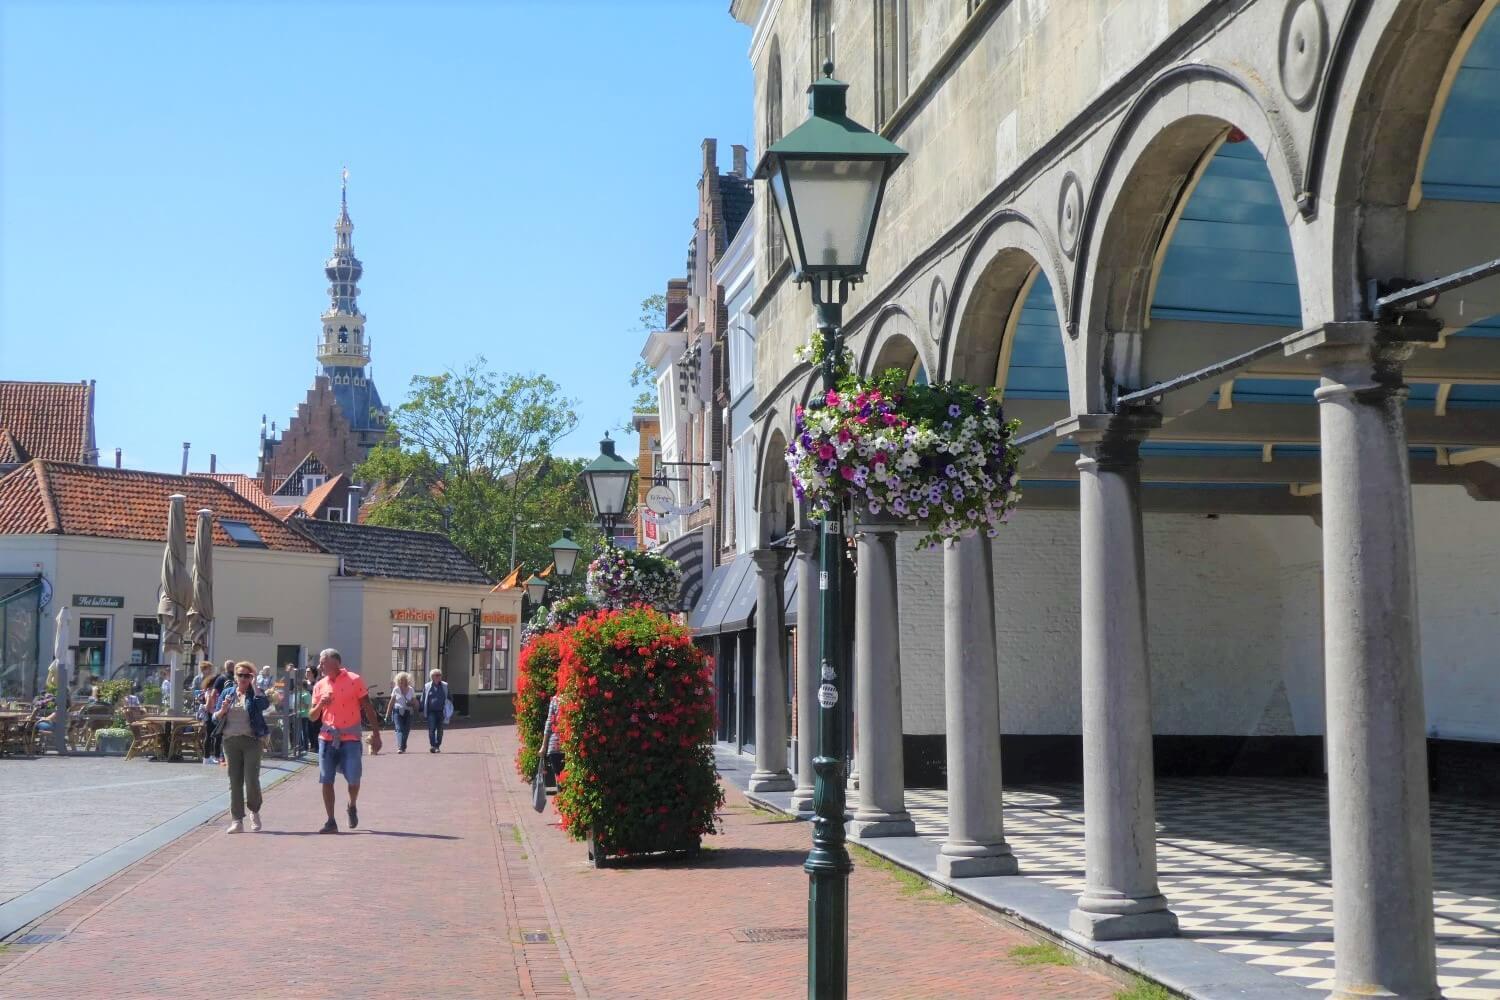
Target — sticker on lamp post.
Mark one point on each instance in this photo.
(828, 695)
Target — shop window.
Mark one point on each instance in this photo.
(494, 659)
(145, 640)
(409, 652)
(93, 645)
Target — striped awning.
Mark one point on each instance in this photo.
(687, 552)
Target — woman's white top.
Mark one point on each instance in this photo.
(403, 701)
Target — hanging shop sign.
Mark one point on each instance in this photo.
(97, 601)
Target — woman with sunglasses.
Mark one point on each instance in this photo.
(241, 719)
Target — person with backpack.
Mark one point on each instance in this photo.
(438, 707)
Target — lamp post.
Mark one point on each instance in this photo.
(827, 178)
(608, 480)
(565, 554)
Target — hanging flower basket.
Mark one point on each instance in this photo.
(940, 456)
(560, 614)
(622, 578)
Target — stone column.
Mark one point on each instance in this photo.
(1377, 744)
(1120, 897)
(770, 774)
(807, 666)
(881, 808)
(971, 680)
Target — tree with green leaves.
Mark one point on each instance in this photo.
(643, 376)
(470, 456)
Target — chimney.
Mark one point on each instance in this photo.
(117, 458)
(739, 160)
(351, 510)
(185, 446)
(213, 463)
(710, 156)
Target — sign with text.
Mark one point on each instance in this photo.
(413, 615)
(500, 618)
(97, 601)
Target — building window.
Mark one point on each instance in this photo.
(409, 652)
(93, 645)
(310, 483)
(242, 534)
(494, 659)
(145, 641)
(822, 35)
(254, 626)
(890, 57)
(775, 238)
(335, 514)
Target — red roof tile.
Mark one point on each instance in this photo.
(313, 505)
(58, 498)
(249, 488)
(47, 420)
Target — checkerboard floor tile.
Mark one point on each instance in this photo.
(1244, 865)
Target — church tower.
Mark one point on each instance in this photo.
(342, 417)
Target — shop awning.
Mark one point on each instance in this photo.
(687, 552)
(789, 591)
(719, 595)
(742, 608)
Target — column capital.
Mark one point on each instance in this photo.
(1363, 359)
(770, 561)
(1110, 440)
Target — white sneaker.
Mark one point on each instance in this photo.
(235, 827)
(255, 822)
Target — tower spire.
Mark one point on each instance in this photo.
(343, 343)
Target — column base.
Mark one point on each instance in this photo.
(802, 799)
(1123, 926)
(771, 781)
(867, 826)
(1001, 862)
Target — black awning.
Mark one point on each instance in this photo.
(687, 552)
(742, 608)
(719, 596)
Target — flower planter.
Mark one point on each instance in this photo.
(939, 458)
(600, 856)
(636, 722)
(111, 744)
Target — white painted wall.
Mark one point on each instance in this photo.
(1235, 618)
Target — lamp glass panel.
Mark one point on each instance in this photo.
(609, 491)
(784, 219)
(564, 558)
(835, 205)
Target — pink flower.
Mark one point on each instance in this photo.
(832, 399)
(825, 451)
(844, 437)
(846, 471)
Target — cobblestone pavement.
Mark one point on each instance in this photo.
(454, 887)
(59, 812)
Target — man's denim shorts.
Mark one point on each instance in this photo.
(346, 757)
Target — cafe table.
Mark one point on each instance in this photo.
(8, 721)
(169, 724)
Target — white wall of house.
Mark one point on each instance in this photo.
(1235, 619)
(735, 273)
(282, 597)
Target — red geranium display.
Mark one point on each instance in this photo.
(636, 722)
(536, 681)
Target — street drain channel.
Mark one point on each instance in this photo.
(764, 935)
(536, 937)
(38, 938)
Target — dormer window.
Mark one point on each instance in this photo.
(311, 482)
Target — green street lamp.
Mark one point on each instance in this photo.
(536, 590)
(565, 554)
(608, 480)
(827, 179)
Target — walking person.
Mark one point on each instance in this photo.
(402, 707)
(552, 744)
(339, 702)
(437, 706)
(307, 729)
(242, 725)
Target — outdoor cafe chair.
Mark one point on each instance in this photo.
(145, 738)
(187, 741)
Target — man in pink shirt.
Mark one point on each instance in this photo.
(340, 701)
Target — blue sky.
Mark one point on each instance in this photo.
(521, 176)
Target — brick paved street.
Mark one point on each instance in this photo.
(449, 875)
(99, 803)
